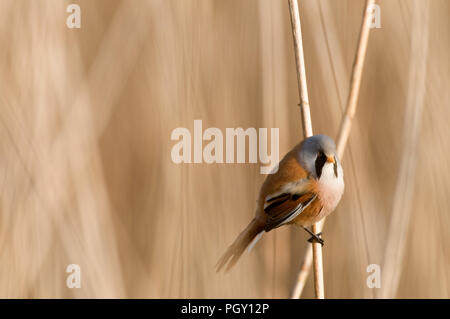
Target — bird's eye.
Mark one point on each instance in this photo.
(321, 159)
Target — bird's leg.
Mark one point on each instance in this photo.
(314, 237)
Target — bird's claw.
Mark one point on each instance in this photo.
(316, 239)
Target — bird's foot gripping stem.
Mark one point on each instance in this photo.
(315, 238)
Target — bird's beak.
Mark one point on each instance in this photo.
(330, 159)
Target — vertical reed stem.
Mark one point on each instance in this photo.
(307, 129)
(343, 135)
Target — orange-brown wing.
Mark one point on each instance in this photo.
(285, 207)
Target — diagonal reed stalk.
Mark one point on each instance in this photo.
(343, 135)
(307, 130)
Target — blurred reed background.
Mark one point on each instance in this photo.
(86, 175)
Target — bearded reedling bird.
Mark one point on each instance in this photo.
(306, 188)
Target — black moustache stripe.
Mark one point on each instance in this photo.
(320, 162)
(335, 167)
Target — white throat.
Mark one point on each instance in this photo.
(330, 186)
(328, 176)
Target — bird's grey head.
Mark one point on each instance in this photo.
(315, 152)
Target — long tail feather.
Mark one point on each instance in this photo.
(234, 252)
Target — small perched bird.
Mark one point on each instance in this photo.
(306, 188)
